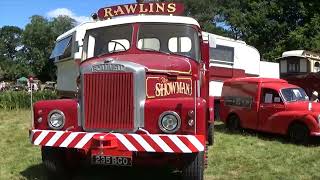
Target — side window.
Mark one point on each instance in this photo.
(270, 96)
(222, 53)
(62, 49)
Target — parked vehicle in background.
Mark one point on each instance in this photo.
(19, 87)
(269, 105)
(231, 58)
(4, 86)
(302, 68)
(49, 85)
(67, 56)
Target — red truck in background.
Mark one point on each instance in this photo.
(143, 95)
(269, 105)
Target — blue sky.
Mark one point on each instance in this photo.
(17, 12)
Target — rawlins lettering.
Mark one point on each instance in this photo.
(166, 88)
(144, 8)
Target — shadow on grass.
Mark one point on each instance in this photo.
(98, 172)
(34, 172)
(220, 127)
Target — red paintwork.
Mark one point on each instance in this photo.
(222, 73)
(162, 67)
(154, 62)
(274, 117)
(67, 106)
(164, 8)
(120, 101)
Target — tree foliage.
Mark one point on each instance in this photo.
(273, 26)
(10, 41)
(26, 52)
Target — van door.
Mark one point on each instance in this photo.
(271, 103)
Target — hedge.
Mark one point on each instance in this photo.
(21, 99)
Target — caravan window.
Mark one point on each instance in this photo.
(222, 53)
(62, 49)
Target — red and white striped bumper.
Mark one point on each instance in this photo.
(122, 142)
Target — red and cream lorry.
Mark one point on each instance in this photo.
(269, 105)
(143, 94)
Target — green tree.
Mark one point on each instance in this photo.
(61, 24)
(10, 41)
(273, 26)
(39, 38)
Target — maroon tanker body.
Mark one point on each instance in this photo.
(143, 99)
(269, 105)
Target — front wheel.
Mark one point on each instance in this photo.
(54, 160)
(195, 168)
(299, 133)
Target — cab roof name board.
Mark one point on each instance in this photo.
(164, 8)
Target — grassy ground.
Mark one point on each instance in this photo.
(248, 155)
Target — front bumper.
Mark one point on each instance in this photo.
(162, 143)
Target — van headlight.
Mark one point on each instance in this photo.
(56, 119)
(169, 122)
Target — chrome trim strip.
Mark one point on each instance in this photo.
(79, 114)
(139, 76)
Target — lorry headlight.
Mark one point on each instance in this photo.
(169, 122)
(56, 119)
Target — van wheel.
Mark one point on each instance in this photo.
(299, 133)
(210, 134)
(233, 123)
(194, 170)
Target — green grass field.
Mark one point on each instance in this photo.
(248, 155)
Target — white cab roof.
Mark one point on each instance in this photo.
(130, 19)
(141, 18)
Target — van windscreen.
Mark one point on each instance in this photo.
(294, 94)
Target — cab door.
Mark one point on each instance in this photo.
(271, 103)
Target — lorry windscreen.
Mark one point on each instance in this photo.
(107, 40)
(178, 39)
(294, 94)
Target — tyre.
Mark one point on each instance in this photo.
(54, 160)
(210, 134)
(299, 133)
(233, 123)
(195, 168)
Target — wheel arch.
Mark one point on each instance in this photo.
(233, 114)
(294, 122)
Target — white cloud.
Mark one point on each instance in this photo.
(67, 12)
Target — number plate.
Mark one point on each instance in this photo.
(112, 160)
